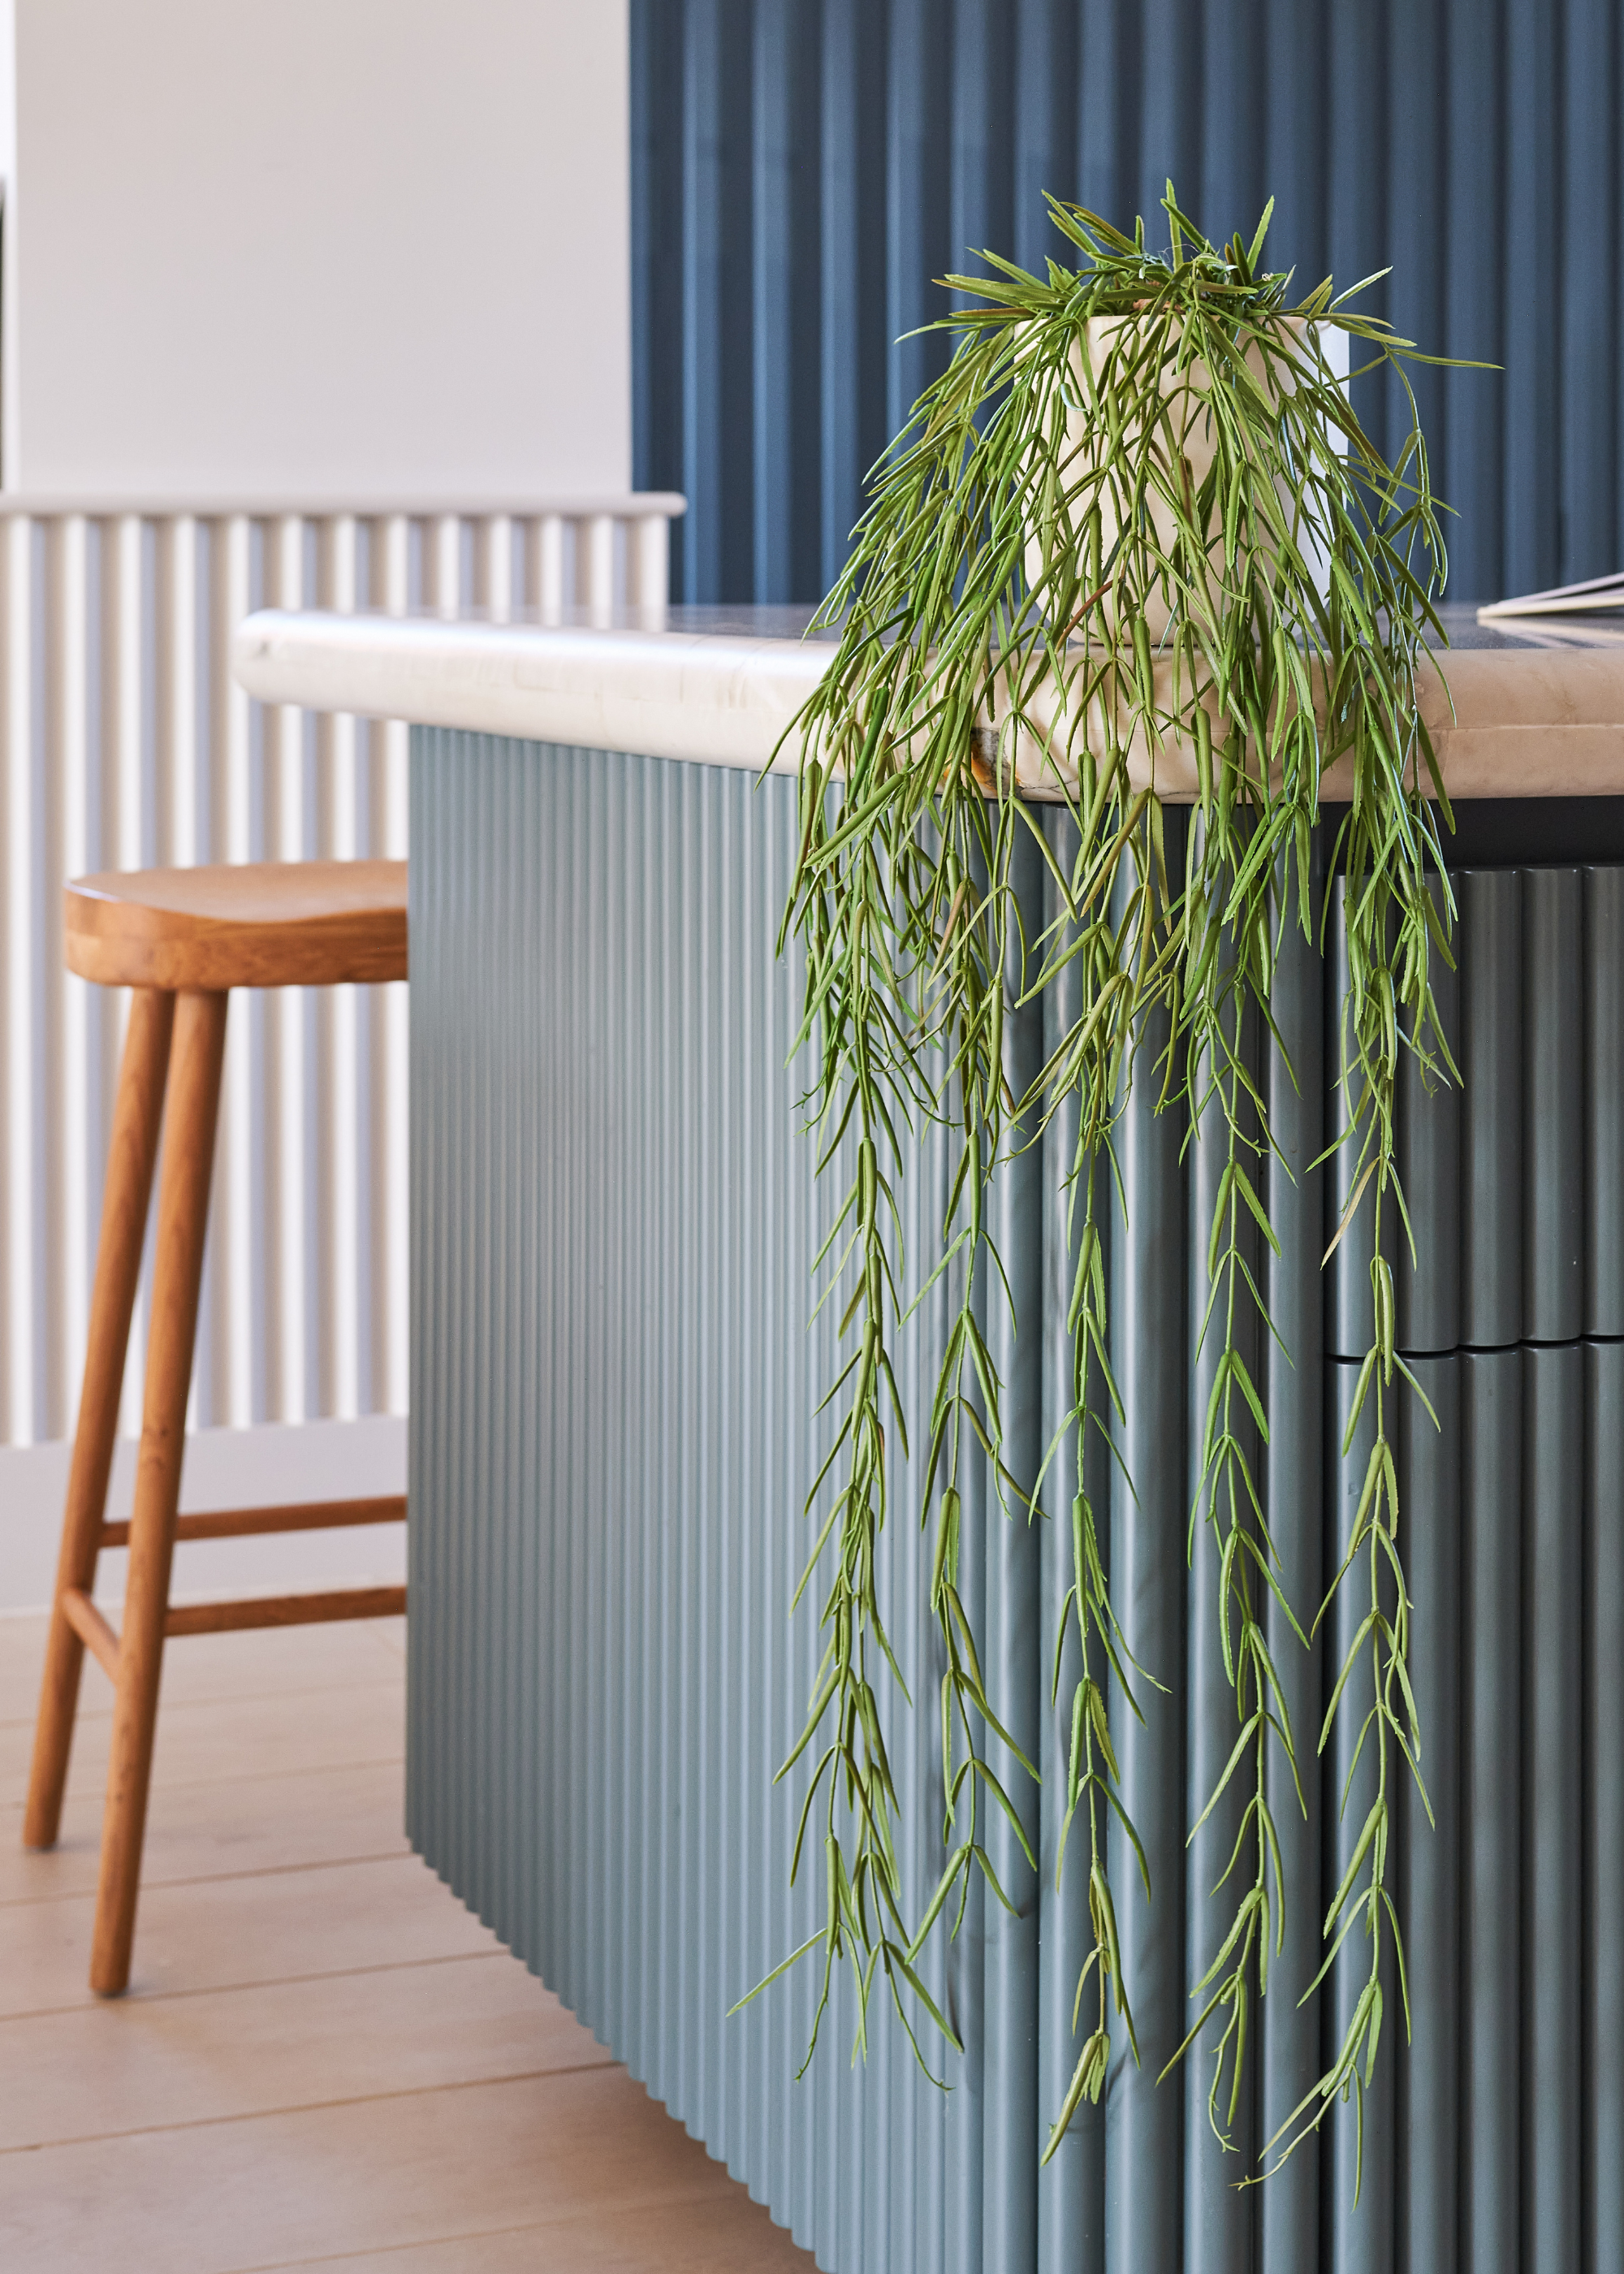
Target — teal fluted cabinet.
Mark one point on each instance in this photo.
(614, 1224)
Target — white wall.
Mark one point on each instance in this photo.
(349, 247)
(8, 280)
(225, 1468)
(305, 248)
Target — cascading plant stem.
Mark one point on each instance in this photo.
(1132, 545)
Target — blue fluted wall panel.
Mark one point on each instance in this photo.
(803, 169)
(613, 1220)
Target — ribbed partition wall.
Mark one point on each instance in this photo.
(615, 1223)
(123, 743)
(803, 169)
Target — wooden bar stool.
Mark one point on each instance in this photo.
(181, 938)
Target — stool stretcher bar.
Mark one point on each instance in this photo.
(300, 1516)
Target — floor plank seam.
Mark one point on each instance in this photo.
(311, 2107)
(14, 1807)
(447, 2241)
(149, 1885)
(136, 1995)
(163, 1785)
(98, 1716)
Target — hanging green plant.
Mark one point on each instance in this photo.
(1132, 544)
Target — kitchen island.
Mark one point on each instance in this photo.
(614, 1224)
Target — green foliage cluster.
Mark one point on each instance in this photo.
(1133, 541)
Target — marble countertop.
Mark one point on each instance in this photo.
(1532, 709)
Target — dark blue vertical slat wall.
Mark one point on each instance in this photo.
(803, 169)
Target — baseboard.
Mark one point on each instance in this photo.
(225, 1468)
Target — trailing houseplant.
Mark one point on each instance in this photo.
(1132, 544)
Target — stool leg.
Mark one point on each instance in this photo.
(183, 1209)
(138, 1113)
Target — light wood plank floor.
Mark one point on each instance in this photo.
(323, 2060)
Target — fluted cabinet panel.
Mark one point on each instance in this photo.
(613, 1394)
(1427, 2113)
(615, 1235)
(1552, 1742)
(1553, 1207)
(1288, 2039)
(1604, 1100)
(1356, 2156)
(1490, 1060)
(1513, 1175)
(1492, 1438)
(1145, 2126)
(1014, 1653)
(1602, 1650)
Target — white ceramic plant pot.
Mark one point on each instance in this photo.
(1184, 450)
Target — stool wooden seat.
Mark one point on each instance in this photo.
(275, 923)
(181, 938)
